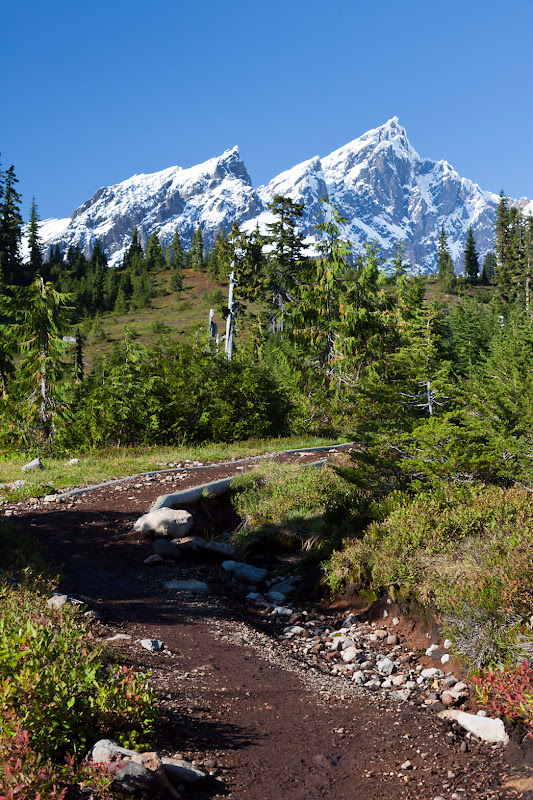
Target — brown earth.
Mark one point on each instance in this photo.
(276, 727)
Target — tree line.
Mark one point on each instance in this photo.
(333, 343)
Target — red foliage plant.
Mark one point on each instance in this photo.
(508, 693)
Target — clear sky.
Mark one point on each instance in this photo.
(93, 92)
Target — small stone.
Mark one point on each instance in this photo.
(166, 549)
(118, 637)
(381, 634)
(395, 621)
(244, 572)
(58, 601)
(392, 639)
(165, 522)
(73, 462)
(432, 672)
(155, 558)
(406, 765)
(445, 658)
(152, 645)
(221, 549)
(447, 644)
(386, 666)
(350, 620)
(197, 587)
(180, 771)
(485, 728)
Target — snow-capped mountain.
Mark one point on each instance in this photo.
(387, 192)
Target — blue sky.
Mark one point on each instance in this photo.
(97, 91)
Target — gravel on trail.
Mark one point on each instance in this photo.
(266, 721)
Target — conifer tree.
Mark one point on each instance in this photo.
(196, 257)
(154, 259)
(11, 271)
(444, 262)
(488, 272)
(471, 258)
(134, 255)
(176, 259)
(285, 257)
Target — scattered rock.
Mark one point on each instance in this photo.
(118, 637)
(73, 462)
(180, 771)
(221, 549)
(155, 558)
(165, 522)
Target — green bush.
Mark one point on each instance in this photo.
(472, 544)
(295, 506)
(56, 685)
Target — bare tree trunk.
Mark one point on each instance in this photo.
(228, 348)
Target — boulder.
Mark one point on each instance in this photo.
(180, 771)
(190, 544)
(485, 728)
(244, 572)
(32, 465)
(135, 779)
(105, 751)
(168, 523)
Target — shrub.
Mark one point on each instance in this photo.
(508, 693)
(56, 684)
(299, 507)
(487, 636)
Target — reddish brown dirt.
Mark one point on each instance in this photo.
(227, 691)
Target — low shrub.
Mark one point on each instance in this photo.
(295, 506)
(56, 685)
(465, 551)
(508, 693)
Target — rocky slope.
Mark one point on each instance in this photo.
(384, 188)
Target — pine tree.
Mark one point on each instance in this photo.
(504, 278)
(78, 358)
(11, 271)
(176, 260)
(134, 254)
(471, 258)
(488, 272)
(35, 263)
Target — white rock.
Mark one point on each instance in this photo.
(31, 465)
(447, 644)
(152, 645)
(281, 611)
(107, 750)
(199, 587)
(350, 654)
(118, 637)
(444, 659)
(350, 620)
(180, 771)
(73, 462)
(244, 572)
(432, 672)
(431, 649)
(165, 522)
(485, 728)
(386, 666)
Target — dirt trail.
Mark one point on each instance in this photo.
(277, 728)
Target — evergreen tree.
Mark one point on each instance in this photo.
(134, 254)
(504, 278)
(35, 263)
(285, 256)
(471, 258)
(488, 272)
(78, 358)
(196, 253)
(154, 259)
(11, 271)
(41, 318)
(176, 260)
(444, 262)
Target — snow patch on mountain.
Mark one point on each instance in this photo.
(386, 191)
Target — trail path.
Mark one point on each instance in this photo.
(276, 726)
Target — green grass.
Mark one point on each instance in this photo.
(182, 314)
(117, 463)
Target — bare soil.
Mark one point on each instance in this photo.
(275, 727)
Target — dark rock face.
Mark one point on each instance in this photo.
(387, 192)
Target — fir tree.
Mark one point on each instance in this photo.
(444, 262)
(488, 272)
(35, 263)
(134, 254)
(176, 260)
(11, 271)
(284, 262)
(154, 259)
(196, 253)
(471, 258)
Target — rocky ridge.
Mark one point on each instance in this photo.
(386, 190)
